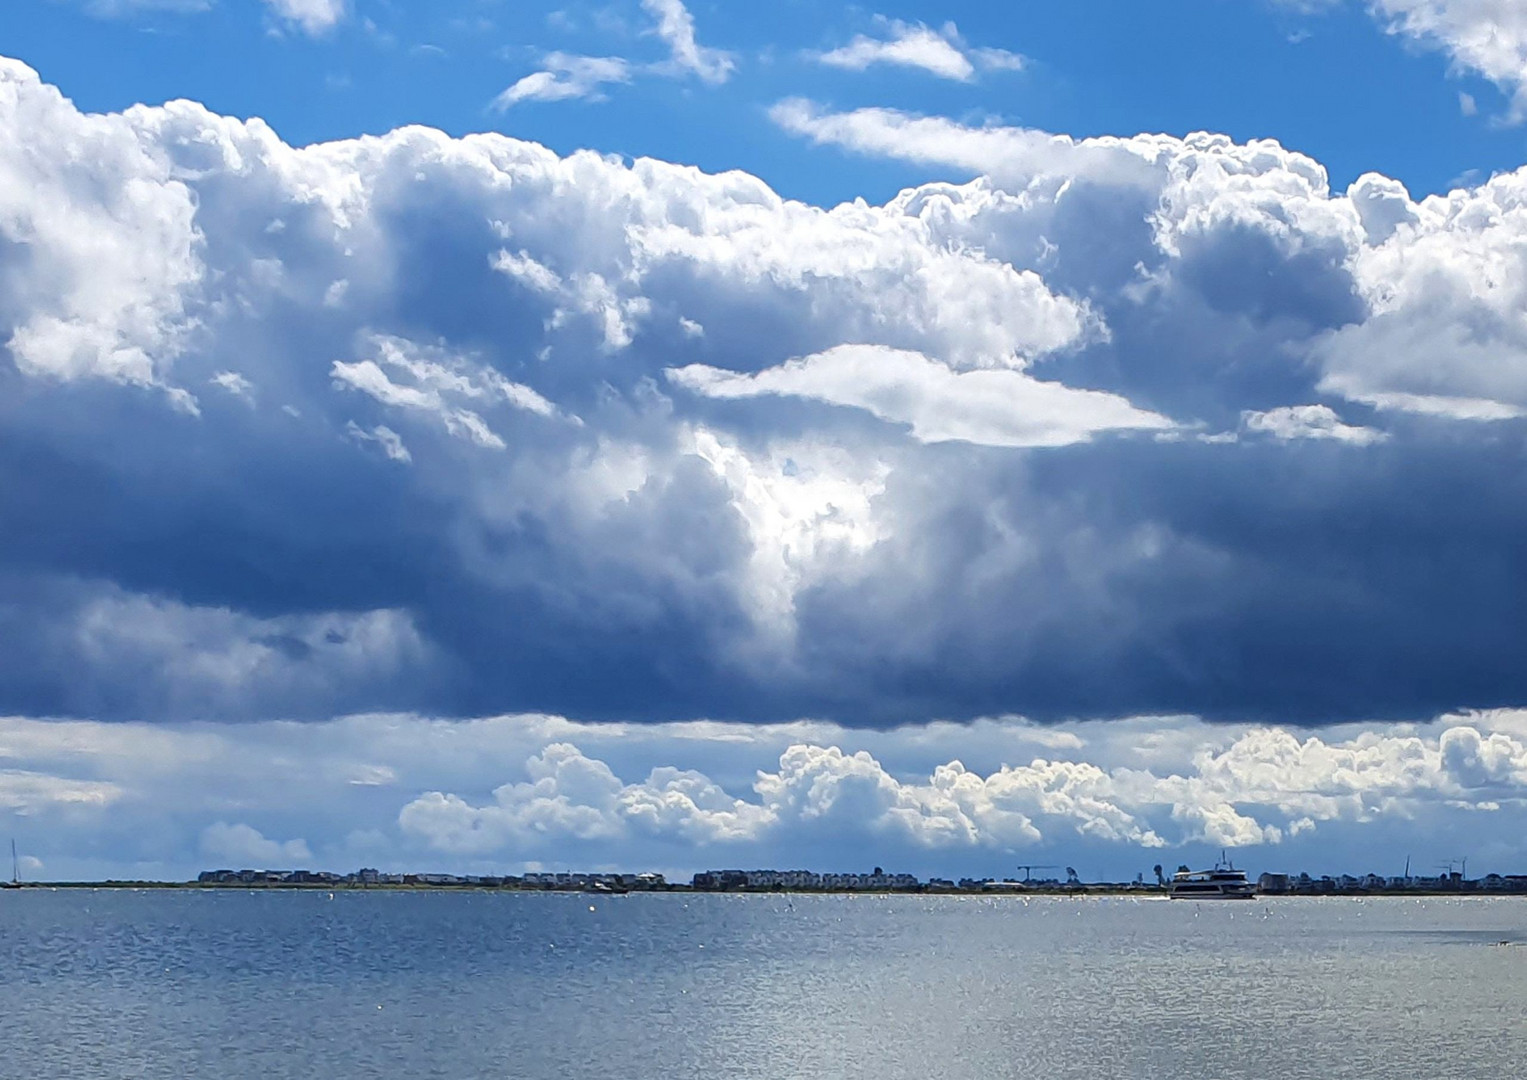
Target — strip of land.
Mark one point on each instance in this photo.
(803, 881)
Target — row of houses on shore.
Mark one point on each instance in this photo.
(806, 881)
(876, 881)
(363, 877)
(1346, 884)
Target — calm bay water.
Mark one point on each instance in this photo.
(237, 984)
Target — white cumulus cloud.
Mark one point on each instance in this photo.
(112, 250)
(408, 791)
(743, 536)
(571, 796)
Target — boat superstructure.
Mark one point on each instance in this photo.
(1224, 882)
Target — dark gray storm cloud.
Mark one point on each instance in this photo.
(459, 426)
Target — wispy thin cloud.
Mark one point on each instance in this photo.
(566, 77)
(110, 9)
(939, 52)
(1482, 37)
(1012, 154)
(676, 27)
(312, 17)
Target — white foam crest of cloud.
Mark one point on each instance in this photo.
(989, 408)
(572, 796)
(676, 27)
(1447, 289)
(564, 76)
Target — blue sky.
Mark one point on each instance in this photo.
(760, 435)
(1330, 82)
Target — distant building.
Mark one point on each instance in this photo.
(803, 880)
(1274, 884)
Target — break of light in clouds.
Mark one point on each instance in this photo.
(316, 453)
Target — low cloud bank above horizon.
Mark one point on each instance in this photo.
(1115, 427)
(512, 793)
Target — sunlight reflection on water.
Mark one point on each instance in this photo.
(236, 984)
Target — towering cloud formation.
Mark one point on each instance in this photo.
(461, 425)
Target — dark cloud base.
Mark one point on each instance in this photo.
(1306, 584)
(391, 425)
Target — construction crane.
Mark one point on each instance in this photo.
(1028, 868)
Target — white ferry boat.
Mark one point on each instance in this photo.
(1224, 882)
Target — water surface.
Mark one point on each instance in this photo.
(295, 984)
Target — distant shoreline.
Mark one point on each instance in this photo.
(1003, 889)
